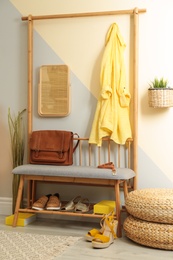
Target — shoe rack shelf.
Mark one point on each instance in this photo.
(59, 212)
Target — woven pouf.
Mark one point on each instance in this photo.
(148, 233)
(154, 205)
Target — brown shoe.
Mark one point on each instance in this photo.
(41, 202)
(53, 202)
(108, 165)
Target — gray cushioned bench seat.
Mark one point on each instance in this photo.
(74, 171)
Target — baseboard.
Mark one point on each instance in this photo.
(5, 206)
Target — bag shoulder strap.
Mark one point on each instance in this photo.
(77, 143)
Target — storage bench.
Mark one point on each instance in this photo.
(75, 174)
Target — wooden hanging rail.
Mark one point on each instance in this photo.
(73, 15)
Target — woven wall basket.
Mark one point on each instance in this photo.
(149, 234)
(155, 205)
(160, 97)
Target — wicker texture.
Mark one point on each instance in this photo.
(149, 234)
(160, 97)
(155, 205)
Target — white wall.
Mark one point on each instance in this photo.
(80, 44)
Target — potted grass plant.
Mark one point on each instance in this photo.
(15, 124)
(159, 94)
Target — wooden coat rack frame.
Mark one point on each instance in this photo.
(135, 12)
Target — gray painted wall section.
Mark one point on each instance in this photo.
(13, 82)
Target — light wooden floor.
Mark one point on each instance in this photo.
(122, 249)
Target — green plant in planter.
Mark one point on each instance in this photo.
(156, 83)
(17, 147)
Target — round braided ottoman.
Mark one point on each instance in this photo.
(155, 205)
(150, 222)
(149, 234)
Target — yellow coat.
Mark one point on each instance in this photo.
(112, 111)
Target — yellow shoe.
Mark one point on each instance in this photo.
(91, 234)
(109, 234)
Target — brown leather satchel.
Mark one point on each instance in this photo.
(52, 147)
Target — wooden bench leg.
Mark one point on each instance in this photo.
(31, 189)
(125, 188)
(118, 205)
(18, 200)
(34, 183)
(29, 185)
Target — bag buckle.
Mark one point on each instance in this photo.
(60, 154)
(36, 153)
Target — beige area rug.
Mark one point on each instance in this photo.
(26, 246)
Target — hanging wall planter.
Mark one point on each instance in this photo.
(159, 94)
